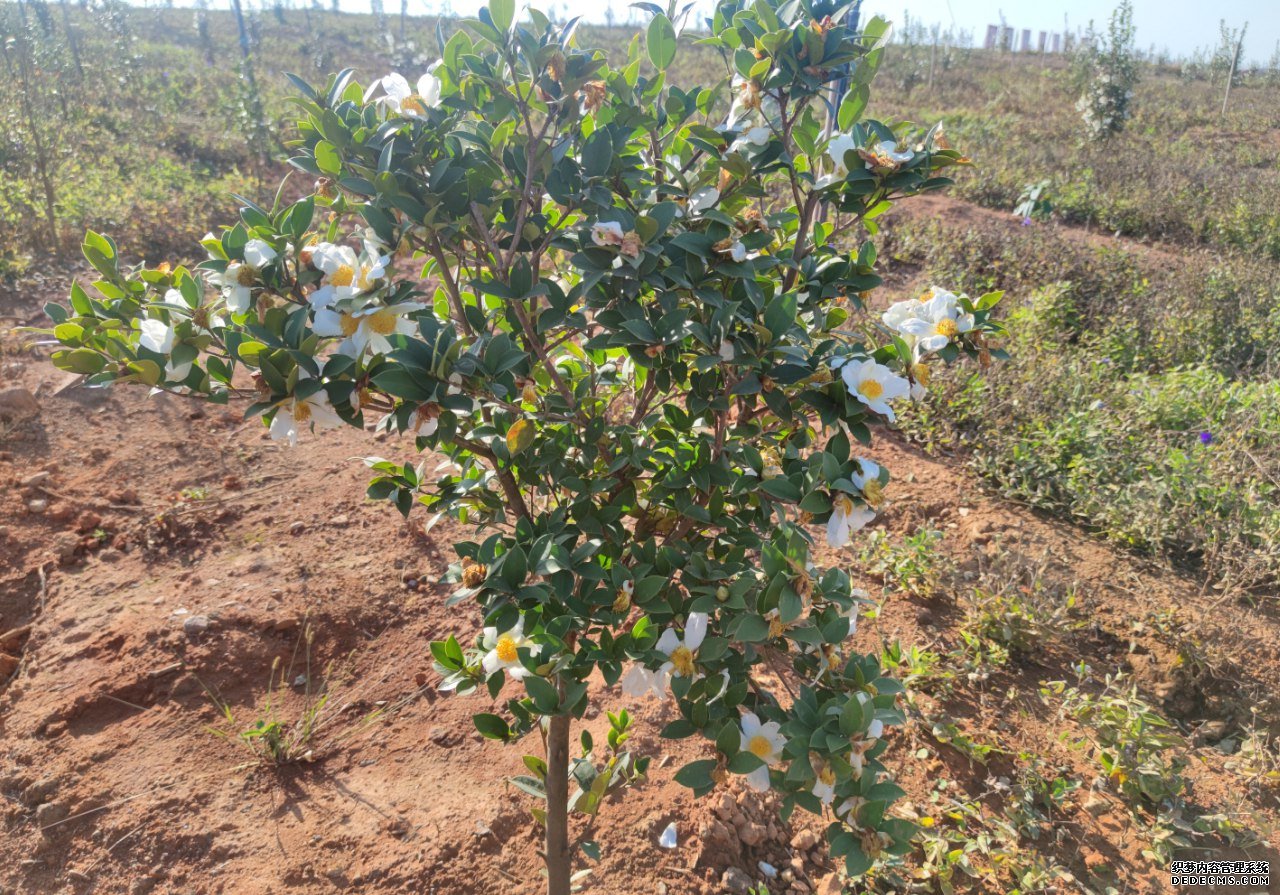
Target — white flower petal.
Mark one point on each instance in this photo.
(759, 779)
(695, 630)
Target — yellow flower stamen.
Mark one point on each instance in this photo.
(506, 648)
(622, 602)
(349, 325)
(946, 327)
(301, 411)
(759, 746)
(413, 103)
(682, 660)
(245, 275)
(873, 493)
(870, 389)
(343, 276)
(383, 322)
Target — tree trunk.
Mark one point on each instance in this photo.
(72, 42)
(558, 860)
(244, 34)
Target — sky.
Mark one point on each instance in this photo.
(1178, 26)
(1181, 26)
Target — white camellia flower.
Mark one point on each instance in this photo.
(876, 730)
(703, 198)
(258, 253)
(682, 651)
(346, 273)
(726, 349)
(836, 149)
(159, 337)
(607, 233)
(156, 336)
(849, 808)
(502, 652)
(425, 420)
(868, 482)
(368, 329)
(764, 741)
(937, 321)
(738, 252)
(874, 385)
(824, 788)
(898, 153)
(294, 413)
(237, 281)
(846, 518)
(899, 313)
(399, 97)
(640, 682)
(755, 136)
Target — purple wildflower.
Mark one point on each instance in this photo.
(1206, 437)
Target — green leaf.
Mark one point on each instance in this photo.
(852, 105)
(100, 251)
(81, 360)
(515, 567)
(531, 785)
(660, 41)
(440, 649)
(491, 726)
(503, 13)
(543, 693)
(856, 862)
(597, 153)
(751, 629)
(327, 158)
(782, 489)
(851, 716)
(697, 774)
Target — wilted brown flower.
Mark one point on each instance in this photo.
(474, 574)
(592, 95)
(631, 244)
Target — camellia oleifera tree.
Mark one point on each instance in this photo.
(631, 316)
(1109, 72)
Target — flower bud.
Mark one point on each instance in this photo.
(722, 593)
